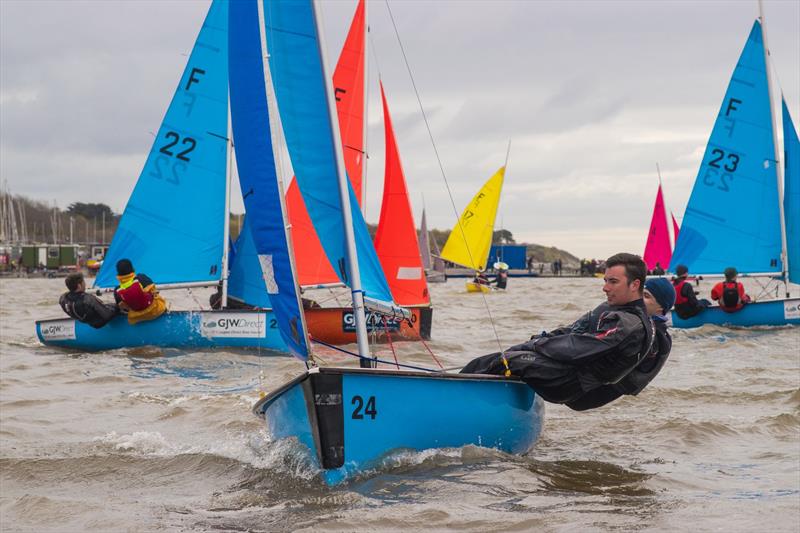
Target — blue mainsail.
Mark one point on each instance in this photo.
(172, 227)
(257, 175)
(733, 217)
(299, 82)
(791, 194)
(245, 280)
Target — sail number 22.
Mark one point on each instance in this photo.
(161, 166)
(721, 169)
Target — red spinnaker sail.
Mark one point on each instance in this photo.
(313, 267)
(396, 238)
(675, 230)
(658, 249)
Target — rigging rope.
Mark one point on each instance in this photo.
(389, 338)
(401, 365)
(441, 166)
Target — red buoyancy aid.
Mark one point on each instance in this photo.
(679, 297)
(132, 292)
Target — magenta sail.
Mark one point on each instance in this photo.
(658, 249)
(675, 228)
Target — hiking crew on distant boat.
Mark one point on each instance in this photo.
(730, 293)
(501, 279)
(137, 294)
(85, 307)
(686, 303)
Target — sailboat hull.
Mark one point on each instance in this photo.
(349, 419)
(336, 325)
(764, 313)
(174, 329)
(477, 287)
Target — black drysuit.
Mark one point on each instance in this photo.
(636, 380)
(87, 308)
(600, 348)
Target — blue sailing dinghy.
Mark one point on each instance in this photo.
(176, 329)
(779, 312)
(347, 418)
(735, 216)
(175, 225)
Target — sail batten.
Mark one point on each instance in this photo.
(733, 218)
(172, 228)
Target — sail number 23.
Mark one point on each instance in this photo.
(721, 169)
(360, 408)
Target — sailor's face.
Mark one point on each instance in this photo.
(652, 305)
(618, 290)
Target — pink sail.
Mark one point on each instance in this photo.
(657, 249)
(675, 230)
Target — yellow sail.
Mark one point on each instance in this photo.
(471, 238)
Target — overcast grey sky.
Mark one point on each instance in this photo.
(591, 93)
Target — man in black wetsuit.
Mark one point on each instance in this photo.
(599, 349)
(85, 307)
(659, 297)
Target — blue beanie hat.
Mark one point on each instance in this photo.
(662, 291)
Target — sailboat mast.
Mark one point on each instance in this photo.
(344, 195)
(226, 227)
(778, 159)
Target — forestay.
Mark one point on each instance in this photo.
(172, 227)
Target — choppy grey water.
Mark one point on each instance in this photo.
(164, 440)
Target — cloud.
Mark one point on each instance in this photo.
(591, 94)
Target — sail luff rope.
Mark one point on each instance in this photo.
(441, 167)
